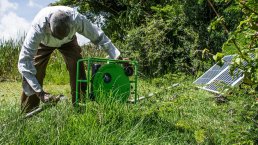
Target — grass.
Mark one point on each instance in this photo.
(9, 52)
(56, 69)
(181, 115)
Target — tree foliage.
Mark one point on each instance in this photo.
(242, 41)
(168, 35)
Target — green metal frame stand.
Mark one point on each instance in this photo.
(110, 68)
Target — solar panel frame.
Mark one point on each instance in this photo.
(210, 85)
(224, 79)
(221, 77)
(215, 69)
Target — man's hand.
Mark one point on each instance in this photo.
(45, 97)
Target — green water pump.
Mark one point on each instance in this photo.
(107, 79)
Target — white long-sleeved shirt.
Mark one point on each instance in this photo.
(40, 33)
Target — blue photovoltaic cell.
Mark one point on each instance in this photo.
(228, 58)
(219, 79)
(207, 76)
(213, 71)
(224, 79)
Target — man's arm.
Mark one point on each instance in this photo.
(26, 62)
(96, 35)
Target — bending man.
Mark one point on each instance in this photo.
(54, 28)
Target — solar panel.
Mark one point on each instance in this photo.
(218, 77)
(214, 71)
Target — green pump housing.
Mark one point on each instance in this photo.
(107, 79)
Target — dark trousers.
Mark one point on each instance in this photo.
(71, 52)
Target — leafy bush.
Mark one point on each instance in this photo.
(160, 47)
(243, 42)
(164, 36)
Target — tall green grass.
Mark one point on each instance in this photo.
(9, 53)
(177, 114)
(56, 70)
(181, 115)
